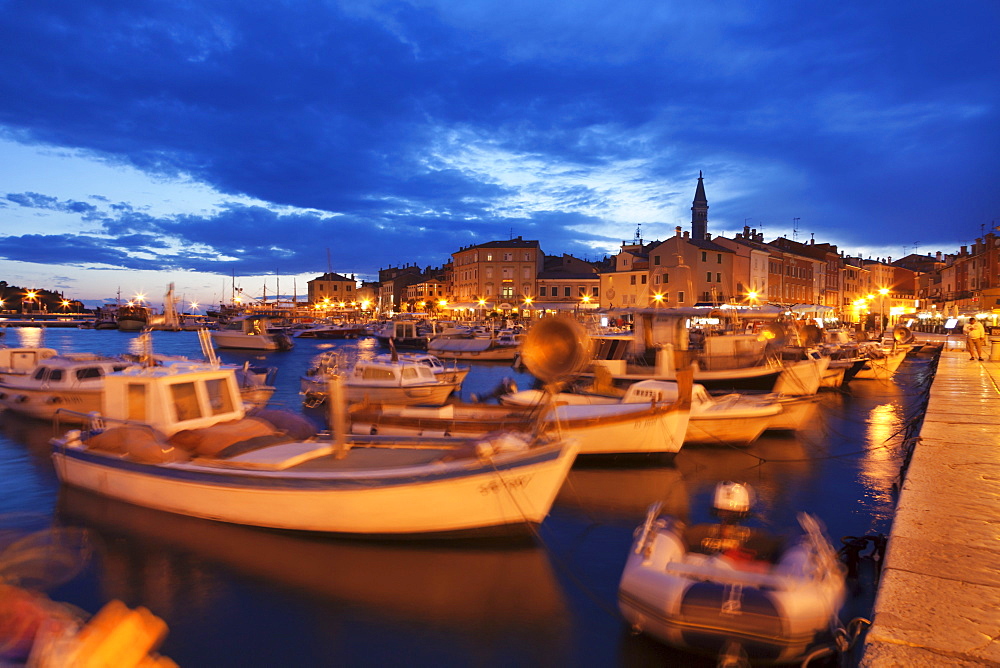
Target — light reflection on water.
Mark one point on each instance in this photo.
(241, 595)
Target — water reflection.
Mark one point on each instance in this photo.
(623, 494)
(169, 563)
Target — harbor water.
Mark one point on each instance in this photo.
(242, 596)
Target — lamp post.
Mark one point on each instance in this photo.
(883, 292)
(657, 300)
(527, 304)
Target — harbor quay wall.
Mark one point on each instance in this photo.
(939, 599)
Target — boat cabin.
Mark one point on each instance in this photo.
(22, 360)
(74, 370)
(173, 397)
(391, 374)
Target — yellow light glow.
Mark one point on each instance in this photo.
(365, 305)
(751, 295)
(658, 297)
(443, 303)
(585, 299)
(883, 291)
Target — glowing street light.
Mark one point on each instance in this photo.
(658, 299)
(883, 292)
(65, 304)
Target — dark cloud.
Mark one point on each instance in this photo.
(874, 120)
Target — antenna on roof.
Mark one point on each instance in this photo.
(795, 229)
(638, 234)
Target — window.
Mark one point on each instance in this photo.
(708, 276)
(489, 257)
(656, 259)
(541, 291)
(88, 372)
(507, 292)
(567, 292)
(489, 272)
(704, 256)
(508, 272)
(718, 258)
(680, 297)
(136, 398)
(219, 397)
(185, 400)
(596, 291)
(666, 278)
(526, 272)
(508, 257)
(632, 279)
(644, 279)
(656, 279)
(527, 257)
(718, 278)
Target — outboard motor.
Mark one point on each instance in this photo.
(732, 501)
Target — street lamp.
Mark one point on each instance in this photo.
(883, 292)
(658, 299)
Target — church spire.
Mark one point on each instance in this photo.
(699, 211)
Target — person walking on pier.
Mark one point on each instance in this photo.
(975, 337)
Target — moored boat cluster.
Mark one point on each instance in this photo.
(401, 457)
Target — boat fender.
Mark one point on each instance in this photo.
(53, 400)
(373, 431)
(21, 399)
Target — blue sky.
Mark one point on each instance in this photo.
(143, 143)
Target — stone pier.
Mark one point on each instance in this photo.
(939, 601)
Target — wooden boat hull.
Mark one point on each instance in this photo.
(363, 493)
(882, 368)
(241, 341)
(606, 429)
(725, 431)
(44, 404)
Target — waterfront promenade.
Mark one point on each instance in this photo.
(939, 601)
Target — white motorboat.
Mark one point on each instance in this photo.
(74, 381)
(729, 589)
(251, 332)
(176, 438)
(449, 374)
(732, 419)
(390, 381)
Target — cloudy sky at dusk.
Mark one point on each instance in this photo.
(143, 143)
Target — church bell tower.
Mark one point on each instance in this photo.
(699, 211)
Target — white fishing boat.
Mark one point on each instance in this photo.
(732, 419)
(73, 384)
(177, 439)
(881, 361)
(73, 380)
(500, 348)
(613, 428)
(251, 332)
(404, 334)
(732, 590)
(389, 381)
